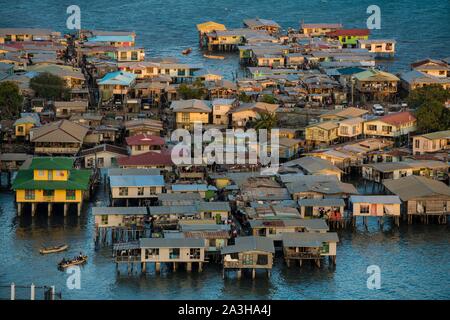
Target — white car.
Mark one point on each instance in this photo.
(378, 109)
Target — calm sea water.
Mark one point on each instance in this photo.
(414, 260)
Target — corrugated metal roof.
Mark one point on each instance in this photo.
(137, 181)
(251, 243)
(375, 199)
(327, 202)
(171, 243)
(308, 239)
(125, 211)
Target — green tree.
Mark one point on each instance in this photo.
(268, 98)
(244, 98)
(195, 92)
(49, 86)
(425, 95)
(10, 100)
(266, 120)
(433, 116)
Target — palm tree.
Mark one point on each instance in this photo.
(266, 120)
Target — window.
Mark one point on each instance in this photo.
(105, 219)
(272, 231)
(41, 173)
(70, 195)
(185, 117)
(20, 129)
(387, 129)
(263, 259)
(372, 127)
(247, 259)
(174, 253)
(364, 208)
(140, 191)
(48, 193)
(194, 253)
(344, 130)
(134, 55)
(123, 56)
(123, 191)
(151, 253)
(152, 190)
(325, 247)
(29, 194)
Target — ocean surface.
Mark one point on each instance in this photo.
(414, 260)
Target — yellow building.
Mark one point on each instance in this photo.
(50, 181)
(23, 126)
(322, 132)
(189, 112)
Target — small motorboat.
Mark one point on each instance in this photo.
(54, 249)
(187, 51)
(210, 56)
(69, 263)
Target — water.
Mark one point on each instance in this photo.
(414, 260)
(166, 27)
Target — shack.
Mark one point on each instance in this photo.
(309, 246)
(248, 253)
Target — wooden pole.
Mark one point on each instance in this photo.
(33, 292)
(13, 291)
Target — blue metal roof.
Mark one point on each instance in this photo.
(111, 39)
(117, 78)
(137, 181)
(189, 187)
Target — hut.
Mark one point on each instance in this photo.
(421, 197)
(375, 206)
(309, 246)
(248, 253)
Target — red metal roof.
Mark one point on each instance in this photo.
(398, 118)
(349, 32)
(150, 158)
(145, 139)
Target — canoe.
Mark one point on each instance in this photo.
(54, 249)
(213, 57)
(73, 262)
(187, 51)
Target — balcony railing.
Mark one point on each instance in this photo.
(302, 255)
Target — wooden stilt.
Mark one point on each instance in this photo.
(33, 209)
(19, 208)
(253, 273)
(49, 209)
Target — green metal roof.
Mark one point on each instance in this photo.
(51, 163)
(78, 180)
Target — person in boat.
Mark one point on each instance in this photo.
(80, 256)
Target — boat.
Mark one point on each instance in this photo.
(69, 263)
(187, 51)
(210, 56)
(54, 249)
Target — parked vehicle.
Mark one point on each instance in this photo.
(378, 109)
